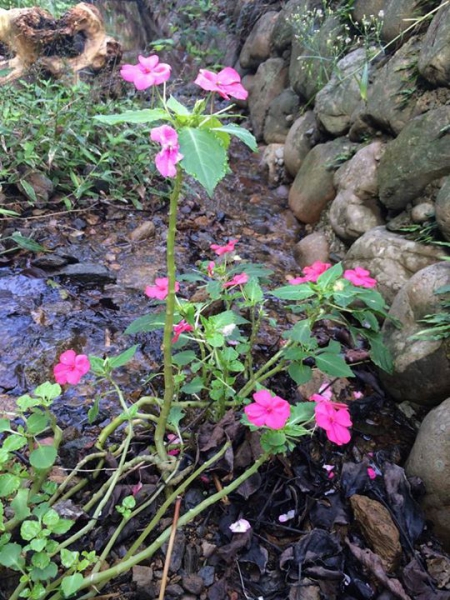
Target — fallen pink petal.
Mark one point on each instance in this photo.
(71, 367)
(240, 526)
(371, 473)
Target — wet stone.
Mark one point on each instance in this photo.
(193, 584)
(87, 274)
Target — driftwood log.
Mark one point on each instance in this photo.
(32, 37)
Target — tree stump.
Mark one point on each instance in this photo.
(32, 37)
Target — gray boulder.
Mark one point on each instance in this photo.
(256, 48)
(355, 209)
(392, 97)
(282, 113)
(281, 38)
(313, 186)
(391, 258)
(337, 101)
(421, 367)
(270, 80)
(418, 156)
(399, 18)
(442, 208)
(434, 59)
(430, 461)
(299, 141)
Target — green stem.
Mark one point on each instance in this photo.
(169, 384)
(262, 373)
(128, 562)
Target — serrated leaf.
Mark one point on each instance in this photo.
(50, 572)
(253, 292)
(301, 412)
(70, 585)
(293, 292)
(301, 333)
(330, 275)
(11, 557)
(37, 423)
(123, 358)
(20, 504)
(333, 364)
(184, 358)
(193, 387)
(146, 115)
(30, 530)
(48, 391)
(243, 134)
(176, 107)
(43, 457)
(14, 442)
(205, 158)
(146, 323)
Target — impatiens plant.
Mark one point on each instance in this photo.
(208, 363)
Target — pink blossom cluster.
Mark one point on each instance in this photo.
(160, 289)
(333, 417)
(71, 367)
(358, 276)
(149, 71)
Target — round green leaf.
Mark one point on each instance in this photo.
(43, 457)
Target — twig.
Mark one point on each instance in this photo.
(176, 514)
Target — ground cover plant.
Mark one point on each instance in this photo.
(210, 367)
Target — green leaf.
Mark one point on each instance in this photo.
(301, 412)
(5, 425)
(333, 364)
(184, 358)
(8, 484)
(27, 243)
(40, 560)
(330, 275)
(38, 544)
(70, 585)
(205, 158)
(379, 353)
(122, 359)
(301, 333)
(25, 402)
(300, 373)
(62, 526)
(69, 558)
(50, 572)
(11, 557)
(30, 192)
(241, 133)
(51, 518)
(253, 292)
(215, 339)
(371, 298)
(147, 115)
(48, 391)
(176, 415)
(43, 457)
(147, 323)
(30, 530)
(293, 292)
(37, 423)
(20, 505)
(14, 442)
(94, 411)
(193, 387)
(176, 107)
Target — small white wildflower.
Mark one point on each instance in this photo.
(347, 40)
(381, 14)
(240, 526)
(287, 517)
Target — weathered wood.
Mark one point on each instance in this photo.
(32, 37)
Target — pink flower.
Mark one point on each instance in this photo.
(173, 439)
(358, 395)
(329, 469)
(237, 280)
(149, 71)
(161, 288)
(210, 268)
(322, 396)
(268, 410)
(312, 273)
(229, 247)
(227, 83)
(241, 526)
(371, 473)
(71, 367)
(360, 277)
(335, 419)
(169, 156)
(179, 329)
